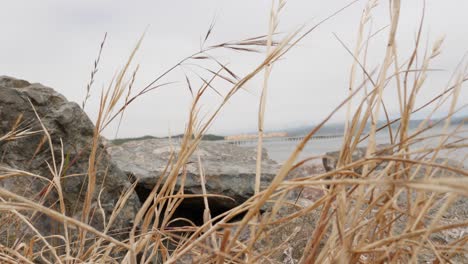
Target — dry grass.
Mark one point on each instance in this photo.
(391, 211)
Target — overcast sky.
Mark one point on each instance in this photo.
(56, 42)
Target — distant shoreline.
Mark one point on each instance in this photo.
(332, 129)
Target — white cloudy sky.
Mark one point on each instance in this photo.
(56, 42)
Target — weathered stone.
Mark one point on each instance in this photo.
(68, 125)
(330, 159)
(229, 169)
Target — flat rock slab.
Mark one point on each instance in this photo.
(229, 169)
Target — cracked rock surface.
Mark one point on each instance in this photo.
(70, 127)
(229, 169)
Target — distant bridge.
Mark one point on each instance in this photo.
(279, 139)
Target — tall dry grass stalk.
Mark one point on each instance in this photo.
(393, 205)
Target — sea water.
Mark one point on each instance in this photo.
(280, 150)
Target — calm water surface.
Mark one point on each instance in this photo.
(280, 150)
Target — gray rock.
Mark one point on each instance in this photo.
(330, 159)
(229, 169)
(65, 122)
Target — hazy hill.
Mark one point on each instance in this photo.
(118, 141)
(338, 128)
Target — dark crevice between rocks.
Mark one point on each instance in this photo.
(192, 208)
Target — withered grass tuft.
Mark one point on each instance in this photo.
(392, 206)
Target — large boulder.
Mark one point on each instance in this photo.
(71, 131)
(229, 169)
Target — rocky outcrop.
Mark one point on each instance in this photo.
(71, 132)
(229, 169)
